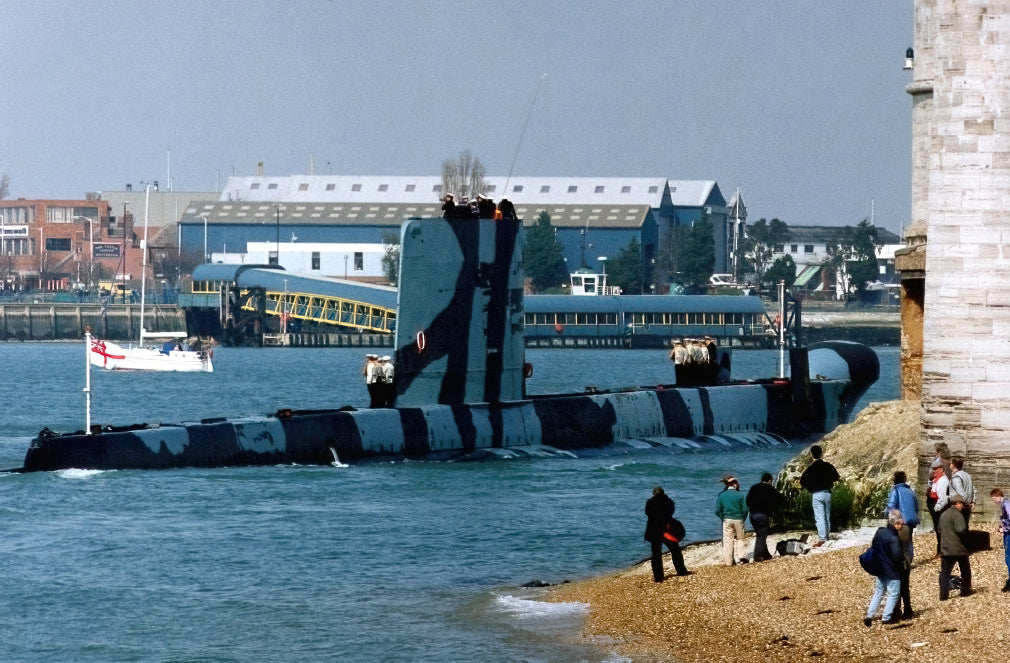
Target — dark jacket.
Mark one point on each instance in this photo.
(763, 498)
(952, 529)
(887, 548)
(821, 475)
(659, 509)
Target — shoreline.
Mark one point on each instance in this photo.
(793, 607)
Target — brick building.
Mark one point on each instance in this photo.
(65, 244)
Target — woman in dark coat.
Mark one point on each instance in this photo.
(659, 510)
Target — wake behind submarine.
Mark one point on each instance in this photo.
(460, 390)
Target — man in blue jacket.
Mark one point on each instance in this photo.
(890, 558)
(903, 499)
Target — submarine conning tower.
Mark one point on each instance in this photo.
(459, 327)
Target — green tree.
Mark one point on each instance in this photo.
(852, 256)
(543, 258)
(5, 186)
(759, 245)
(783, 269)
(696, 253)
(391, 259)
(625, 271)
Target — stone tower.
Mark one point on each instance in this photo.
(961, 185)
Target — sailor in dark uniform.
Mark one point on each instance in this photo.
(507, 209)
(486, 207)
(448, 207)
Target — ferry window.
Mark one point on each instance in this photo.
(569, 318)
(625, 189)
(331, 187)
(573, 189)
(383, 187)
(808, 248)
(491, 188)
(410, 188)
(666, 318)
(610, 319)
(437, 188)
(653, 189)
(254, 185)
(272, 185)
(359, 261)
(545, 188)
(304, 186)
(694, 318)
(355, 187)
(528, 319)
(518, 188)
(598, 189)
(580, 318)
(315, 260)
(57, 243)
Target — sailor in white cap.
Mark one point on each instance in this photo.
(388, 391)
(373, 377)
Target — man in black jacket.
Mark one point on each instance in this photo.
(764, 502)
(818, 479)
(659, 509)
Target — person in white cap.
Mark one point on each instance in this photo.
(373, 376)
(388, 390)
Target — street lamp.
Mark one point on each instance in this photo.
(277, 208)
(91, 260)
(206, 257)
(345, 270)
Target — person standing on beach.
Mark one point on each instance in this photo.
(890, 560)
(903, 499)
(937, 499)
(1003, 504)
(960, 483)
(731, 508)
(818, 479)
(764, 502)
(659, 510)
(953, 550)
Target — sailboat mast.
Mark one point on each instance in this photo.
(143, 262)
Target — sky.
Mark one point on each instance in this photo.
(800, 104)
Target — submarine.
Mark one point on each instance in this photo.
(460, 387)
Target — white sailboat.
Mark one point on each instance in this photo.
(171, 356)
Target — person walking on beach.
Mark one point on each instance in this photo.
(659, 510)
(889, 559)
(1003, 504)
(818, 479)
(902, 499)
(764, 502)
(937, 499)
(731, 508)
(953, 550)
(960, 483)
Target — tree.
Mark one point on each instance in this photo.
(783, 269)
(759, 245)
(391, 259)
(463, 176)
(543, 257)
(625, 271)
(853, 257)
(696, 253)
(5, 186)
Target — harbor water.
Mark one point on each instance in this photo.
(401, 561)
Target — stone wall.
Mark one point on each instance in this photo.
(961, 55)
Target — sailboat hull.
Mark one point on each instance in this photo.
(112, 356)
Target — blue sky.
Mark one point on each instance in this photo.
(801, 104)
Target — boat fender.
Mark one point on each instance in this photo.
(421, 341)
(527, 370)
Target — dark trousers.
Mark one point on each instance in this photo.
(930, 503)
(657, 558)
(905, 597)
(762, 525)
(375, 397)
(946, 566)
